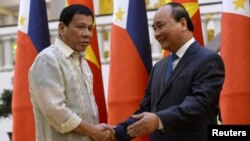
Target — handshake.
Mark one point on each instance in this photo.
(144, 123)
(105, 132)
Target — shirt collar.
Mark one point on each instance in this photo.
(66, 50)
(184, 48)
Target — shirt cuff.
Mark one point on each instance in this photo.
(71, 123)
(160, 124)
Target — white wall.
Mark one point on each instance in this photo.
(5, 81)
(5, 126)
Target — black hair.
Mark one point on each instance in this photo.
(68, 13)
(179, 12)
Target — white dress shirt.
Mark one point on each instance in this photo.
(61, 93)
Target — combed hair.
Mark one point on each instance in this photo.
(68, 13)
(179, 12)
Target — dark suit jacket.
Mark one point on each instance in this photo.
(188, 103)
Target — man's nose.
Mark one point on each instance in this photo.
(86, 32)
(157, 34)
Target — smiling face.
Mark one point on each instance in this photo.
(78, 33)
(167, 30)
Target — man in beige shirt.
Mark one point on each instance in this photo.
(61, 84)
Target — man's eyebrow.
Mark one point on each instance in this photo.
(158, 22)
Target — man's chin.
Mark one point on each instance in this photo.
(81, 49)
(165, 48)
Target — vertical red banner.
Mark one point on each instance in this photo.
(32, 37)
(235, 49)
(130, 60)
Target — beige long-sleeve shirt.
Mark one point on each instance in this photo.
(61, 88)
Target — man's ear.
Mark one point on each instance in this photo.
(183, 22)
(61, 28)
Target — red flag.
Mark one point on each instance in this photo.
(32, 37)
(130, 62)
(235, 33)
(93, 59)
(192, 7)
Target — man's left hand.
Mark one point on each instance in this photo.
(147, 123)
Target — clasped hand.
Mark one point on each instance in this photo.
(105, 133)
(147, 123)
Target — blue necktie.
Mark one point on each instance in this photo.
(170, 66)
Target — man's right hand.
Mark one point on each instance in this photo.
(104, 132)
(100, 132)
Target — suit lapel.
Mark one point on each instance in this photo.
(187, 57)
(160, 76)
(163, 72)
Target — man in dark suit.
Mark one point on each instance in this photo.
(180, 107)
